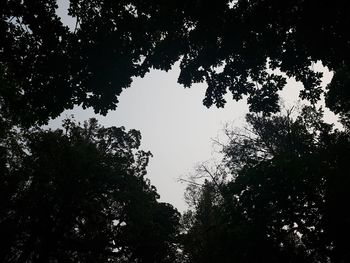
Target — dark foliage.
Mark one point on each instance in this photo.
(79, 195)
(52, 68)
(285, 199)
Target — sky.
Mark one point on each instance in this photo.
(174, 124)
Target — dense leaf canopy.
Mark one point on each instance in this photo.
(230, 45)
(284, 197)
(79, 195)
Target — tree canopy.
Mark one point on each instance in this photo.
(79, 194)
(231, 45)
(279, 196)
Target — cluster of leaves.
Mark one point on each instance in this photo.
(284, 199)
(56, 68)
(52, 67)
(79, 195)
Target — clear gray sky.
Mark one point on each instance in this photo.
(174, 124)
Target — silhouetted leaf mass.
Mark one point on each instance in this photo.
(232, 47)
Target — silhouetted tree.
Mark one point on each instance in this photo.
(231, 45)
(56, 68)
(285, 199)
(79, 194)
